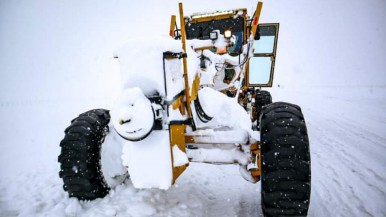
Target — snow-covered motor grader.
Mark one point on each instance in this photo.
(199, 99)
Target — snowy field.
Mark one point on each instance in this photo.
(56, 62)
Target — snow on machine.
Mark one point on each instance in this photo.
(199, 99)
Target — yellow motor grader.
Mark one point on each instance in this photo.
(204, 103)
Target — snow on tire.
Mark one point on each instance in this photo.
(80, 158)
(286, 172)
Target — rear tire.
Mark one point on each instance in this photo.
(286, 168)
(263, 98)
(80, 158)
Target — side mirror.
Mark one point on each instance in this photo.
(262, 64)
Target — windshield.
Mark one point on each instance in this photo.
(201, 30)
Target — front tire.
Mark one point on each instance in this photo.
(286, 171)
(80, 158)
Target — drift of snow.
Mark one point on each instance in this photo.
(179, 157)
(112, 166)
(224, 110)
(146, 74)
(226, 135)
(218, 156)
(149, 161)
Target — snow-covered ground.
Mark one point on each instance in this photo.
(347, 128)
(56, 61)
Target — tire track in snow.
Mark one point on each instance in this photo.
(345, 139)
(327, 185)
(343, 163)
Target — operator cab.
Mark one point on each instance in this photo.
(235, 26)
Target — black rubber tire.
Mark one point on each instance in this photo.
(80, 155)
(263, 98)
(286, 168)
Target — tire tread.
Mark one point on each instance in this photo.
(80, 155)
(286, 172)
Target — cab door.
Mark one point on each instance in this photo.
(262, 65)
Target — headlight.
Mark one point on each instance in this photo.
(228, 33)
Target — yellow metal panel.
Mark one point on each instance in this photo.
(254, 146)
(179, 104)
(256, 174)
(216, 15)
(189, 139)
(172, 23)
(177, 171)
(210, 18)
(195, 87)
(176, 104)
(177, 137)
(183, 39)
(255, 21)
(255, 149)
